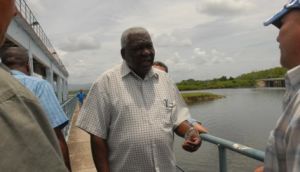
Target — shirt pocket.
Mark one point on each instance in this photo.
(167, 113)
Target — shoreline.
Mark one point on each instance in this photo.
(197, 97)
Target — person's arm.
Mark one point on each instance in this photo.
(259, 169)
(192, 144)
(63, 147)
(197, 125)
(100, 153)
(200, 128)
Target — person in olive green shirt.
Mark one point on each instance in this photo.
(28, 143)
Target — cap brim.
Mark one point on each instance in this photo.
(276, 19)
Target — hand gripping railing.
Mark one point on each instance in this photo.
(223, 144)
(69, 108)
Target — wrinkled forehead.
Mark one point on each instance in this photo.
(139, 38)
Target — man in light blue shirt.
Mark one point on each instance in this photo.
(81, 96)
(16, 59)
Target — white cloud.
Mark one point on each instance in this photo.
(223, 8)
(168, 40)
(80, 43)
(210, 57)
(196, 39)
(178, 63)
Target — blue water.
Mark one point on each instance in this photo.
(245, 116)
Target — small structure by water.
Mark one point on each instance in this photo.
(271, 82)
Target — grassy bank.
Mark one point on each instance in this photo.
(247, 80)
(191, 98)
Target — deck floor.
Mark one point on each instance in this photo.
(79, 148)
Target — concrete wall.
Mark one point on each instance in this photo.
(17, 34)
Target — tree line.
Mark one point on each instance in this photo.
(247, 80)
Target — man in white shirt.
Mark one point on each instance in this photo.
(132, 112)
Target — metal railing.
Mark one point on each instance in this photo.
(32, 21)
(29, 17)
(223, 144)
(69, 108)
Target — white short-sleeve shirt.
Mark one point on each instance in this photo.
(136, 117)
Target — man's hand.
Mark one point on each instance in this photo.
(192, 143)
(200, 128)
(259, 169)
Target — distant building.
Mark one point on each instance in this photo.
(270, 82)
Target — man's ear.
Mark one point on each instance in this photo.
(123, 53)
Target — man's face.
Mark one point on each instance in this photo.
(7, 11)
(289, 40)
(139, 53)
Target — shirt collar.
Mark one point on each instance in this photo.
(293, 76)
(125, 70)
(16, 72)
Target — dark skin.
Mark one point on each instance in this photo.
(139, 53)
(63, 146)
(100, 153)
(139, 56)
(192, 144)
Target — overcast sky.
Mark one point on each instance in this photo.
(200, 39)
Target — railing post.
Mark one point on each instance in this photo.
(69, 108)
(222, 158)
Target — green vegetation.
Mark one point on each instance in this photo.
(243, 81)
(191, 98)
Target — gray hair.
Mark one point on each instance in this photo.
(129, 31)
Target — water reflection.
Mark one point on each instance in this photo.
(245, 116)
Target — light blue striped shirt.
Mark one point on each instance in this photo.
(283, 148)
(45, 93)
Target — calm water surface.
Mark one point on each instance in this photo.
(245, 116)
